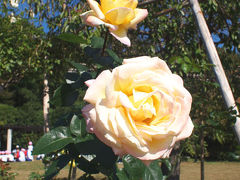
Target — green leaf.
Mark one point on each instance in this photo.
(70, 98)
(72, 38)
(173, 59)
(187, 60)
(92, 52)
(72, 76)
(64, 95)
(105, 61)
(104, 151)
(89, 167)
(78, 126)
(79, 67)
(85, 76)
(114, 56)
(97, 42)
(53, 141)
(134, 167)
(153, 172)
(88, 137)
(56, 166)
(63, 120)
(88, 147)
(100, 150)
(179, 60)
(185, 67)
(121, 174)
(167, 164)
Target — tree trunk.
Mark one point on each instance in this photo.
(46, 103)
(202, 152)
(215, 60)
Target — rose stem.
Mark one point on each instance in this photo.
(70, 170)
(105, 42)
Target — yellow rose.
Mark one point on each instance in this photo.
(117, 15)
(140, 108)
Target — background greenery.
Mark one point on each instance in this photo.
(55, 41)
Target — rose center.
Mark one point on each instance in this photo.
(143, 106)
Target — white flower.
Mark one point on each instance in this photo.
(14, 3)
(12, 18)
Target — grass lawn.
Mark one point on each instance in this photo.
(189, 170)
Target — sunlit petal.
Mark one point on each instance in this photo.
(97, 90)
(140, 15)
(121, 35)
(96, 8)
(120, 15)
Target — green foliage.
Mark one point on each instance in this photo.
(55, 166)
(171, 35)
(20, 46)
(153, 171)
(53, 141)
(134, 169)
(35, 176)
(4, 172)
(72, 38)
(8, 114)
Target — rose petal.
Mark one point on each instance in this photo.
(159, 149)
(139, 59)
(126, 3)
(148, 63)
(89, 82)
(102, 127)
(107, 5)
(130, 142)
(119, 15)
(90, 19)
(85, 15)
(128, 72)
(181, 118)
(89, 113)
(187, 130)
(140, 15)
(96, 8)
(97, 89)
(121, 35)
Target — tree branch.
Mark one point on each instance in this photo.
(147, 2)
(166, 11)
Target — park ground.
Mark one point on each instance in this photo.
(189, 170)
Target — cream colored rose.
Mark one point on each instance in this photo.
(117, 15)
(140, 108)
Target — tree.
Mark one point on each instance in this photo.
(169, 32)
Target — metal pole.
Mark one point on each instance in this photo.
(214, 58)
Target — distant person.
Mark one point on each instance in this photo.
(3, 158)
(16, 153)
(15, 150)
(10, 157)
(22, 157)
(29, 151)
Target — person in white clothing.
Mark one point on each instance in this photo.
(29, 152)
(22, 155)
